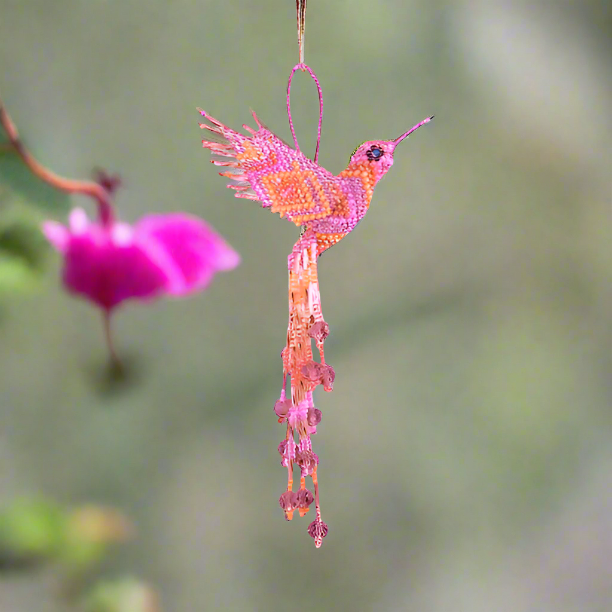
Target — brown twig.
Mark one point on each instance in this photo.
(89, 188)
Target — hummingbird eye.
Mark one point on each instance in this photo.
(374, 153)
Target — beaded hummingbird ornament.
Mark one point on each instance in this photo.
(327, 207)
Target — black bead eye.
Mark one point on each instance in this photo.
(374, 153)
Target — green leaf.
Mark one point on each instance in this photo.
(39, 530)
(25, 240)
(31, 528)
(22, 186)
(91, 529)
(16, 276)
(23, 250)
(125, 595)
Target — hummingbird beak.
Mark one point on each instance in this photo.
(412, 129)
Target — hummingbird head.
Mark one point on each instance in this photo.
(379, 153)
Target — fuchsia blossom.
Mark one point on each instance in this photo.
(108, 263)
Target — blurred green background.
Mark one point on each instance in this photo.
(466, 451)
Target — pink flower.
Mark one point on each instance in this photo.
(174, 254)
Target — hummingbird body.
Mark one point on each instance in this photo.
(266, 169)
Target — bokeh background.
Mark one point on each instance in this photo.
(466, 450)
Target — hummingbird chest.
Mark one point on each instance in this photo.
(349, 205)
(352, 193)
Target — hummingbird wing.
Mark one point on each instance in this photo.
(264, 168)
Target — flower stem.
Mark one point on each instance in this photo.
(114, 358)
(89, 188)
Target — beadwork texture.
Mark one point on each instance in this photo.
(264, 168)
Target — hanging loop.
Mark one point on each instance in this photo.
(305, 68)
